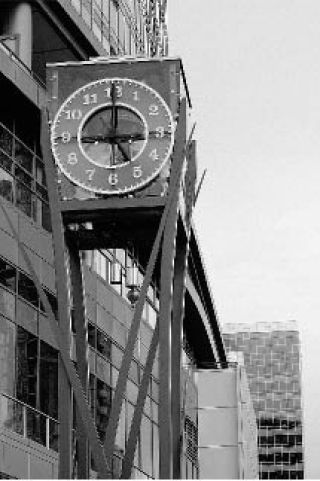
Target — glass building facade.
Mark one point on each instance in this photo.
(62, 31)
(271, 353)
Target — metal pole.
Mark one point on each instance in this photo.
(59, 247)
(179, 288)
(165, 315)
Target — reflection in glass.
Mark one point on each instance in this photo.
(24, 199)
(23, 156)
(53, 434)
(6, 140)
(103, 344)
(6, 185)
(46, 217)
(26, 367)
(5, 161)
(7, 359)
(27, 289)
(36, 426)
(104, 396)
(7, 275)
(48, 389)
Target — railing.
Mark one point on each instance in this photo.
(30, 423)
(10, 53)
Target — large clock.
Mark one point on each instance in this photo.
(112, 136)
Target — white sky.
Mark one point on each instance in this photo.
(253, 69)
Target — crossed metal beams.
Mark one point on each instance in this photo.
(68, 376)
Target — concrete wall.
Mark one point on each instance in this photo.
(227, 438)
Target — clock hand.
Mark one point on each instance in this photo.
(114, 122)
(112, 137)
(91, 139)
(122, 150)
(114, 114)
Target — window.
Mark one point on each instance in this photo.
(7, 364)
(26, 367)
(7, 275)
(48, 387)
(103, 407)
(22, 178)
(6, 184)
(27, 289)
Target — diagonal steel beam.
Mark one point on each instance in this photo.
(134, 328)
(82, 355)
(179, 288)
(136, 421)
(137, 415)
(59, 246)
(168, 254)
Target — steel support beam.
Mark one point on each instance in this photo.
(179, 288)
(177, 163)
(81, 338)
(137, 415)
(69, 374)
(181, 263)
(165, 319)
(62, 283)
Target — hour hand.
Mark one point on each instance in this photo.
(122, 150)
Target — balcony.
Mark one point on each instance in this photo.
(22, 76)
(28, 422)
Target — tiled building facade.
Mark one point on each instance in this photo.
(272, 360)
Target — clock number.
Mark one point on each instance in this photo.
(135, 95)
(118, 88)
(72, 158)
(159, 132)
(90, 99)
(74, 114)
(90, 173)
(65, 137)
(113, 178)
(137, 172)
(153, 109)
(154, 155)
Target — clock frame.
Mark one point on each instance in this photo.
(132, 130)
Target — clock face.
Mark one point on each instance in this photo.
(112, 136)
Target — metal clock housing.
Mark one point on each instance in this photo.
(112, 136)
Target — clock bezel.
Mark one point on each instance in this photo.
(136, 184)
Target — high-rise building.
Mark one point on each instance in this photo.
(272, 360)
(48, 429)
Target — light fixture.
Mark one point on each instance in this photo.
(115, 272)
